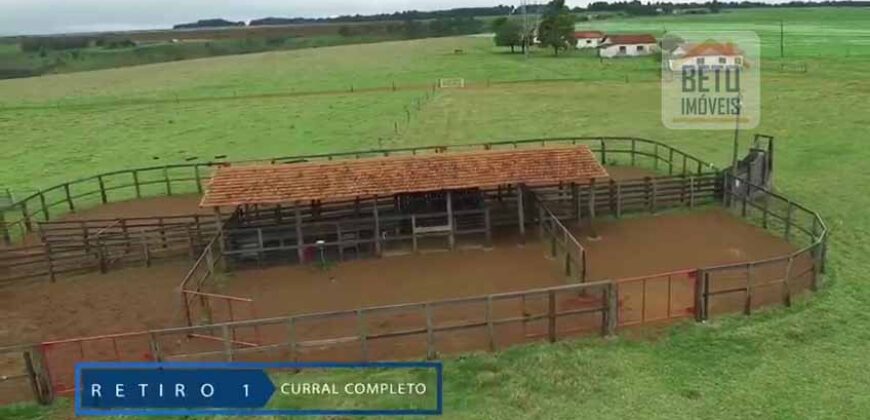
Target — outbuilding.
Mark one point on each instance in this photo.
(628, 46)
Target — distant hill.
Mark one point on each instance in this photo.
(209, 23)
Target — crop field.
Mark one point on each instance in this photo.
(807, 361)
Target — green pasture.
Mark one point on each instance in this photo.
(808, 361)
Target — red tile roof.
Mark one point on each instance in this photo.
(631, 39)
(588, 34)
(347, 179)
(711, 48)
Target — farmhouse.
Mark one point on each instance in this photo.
(627, 45)
(708, 54)
(588, 39)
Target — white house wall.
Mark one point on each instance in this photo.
(611, 51)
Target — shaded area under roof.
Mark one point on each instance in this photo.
(386, 176)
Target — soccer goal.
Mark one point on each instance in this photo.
(451, 83)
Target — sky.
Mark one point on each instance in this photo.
(26, 17)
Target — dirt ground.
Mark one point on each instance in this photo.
(136, 299)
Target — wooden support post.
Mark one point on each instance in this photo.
(451, 238)
(612, 200)
(603, 152)
(38, 375)
(69, 200)
(656, 157)
(691, 192)
(551, 316)
(701, 283)
(786, 283)
(50, 263)
(300, 240)
(490, 326)
(541, 220)
(611, 315)
(43, 207)
(377, 233)
(633, 152)
(103, 196)
(487, 222)
(764, 212)
(167, 180)
(430, 333)
(670, 160)
(521, 214)
(197, 178)
(619, 200)
(146, 250)
(788, 215)
(362, 334)
(136, 184)
(653, 188)
(260, 246)
(575, 203)
(567, 263)
(747, 304)
(25, 217)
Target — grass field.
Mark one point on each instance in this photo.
(808, 361)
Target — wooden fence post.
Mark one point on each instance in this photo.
(136, 184)
(430, 333)
(362, 334)
(701, 283)
(653, 191)
(25, 217)
(786, 285)
(747, 304)
(551, 316)
(591, 199)
(103, 196)
(575, 203)
(691, 192)
(46, 246)
(521, 214)
(198, 178)
(167, 180)
(612, 309)
(670, 160)
(69, 199)
(40, 383)
(788, 215)
(633, 152)
(45, 215)
(603, 152)
(300, 239)
(490, 326)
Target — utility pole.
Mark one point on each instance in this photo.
(526, 41)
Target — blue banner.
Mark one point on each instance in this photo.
(161, 389)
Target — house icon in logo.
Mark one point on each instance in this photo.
(707, 55)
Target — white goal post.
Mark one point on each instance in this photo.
(451, 82)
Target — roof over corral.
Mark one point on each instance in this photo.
(385, 176)
(630, 39)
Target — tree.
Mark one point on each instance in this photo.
(557, 26)
(508, 33)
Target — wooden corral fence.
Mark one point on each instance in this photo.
(560, 240)
(21, 217)
(776, 280)
(98, 245)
